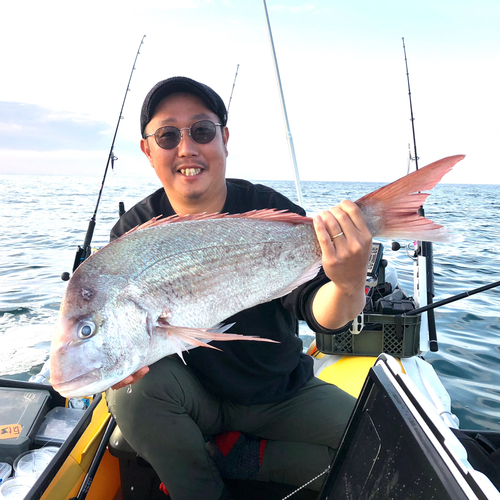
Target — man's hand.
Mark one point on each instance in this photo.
(131, 379)
(346, 244)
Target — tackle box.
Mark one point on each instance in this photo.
(21, 414)
(57, 426)
(396, 335)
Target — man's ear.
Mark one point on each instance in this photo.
(225, 138)
(145, 149)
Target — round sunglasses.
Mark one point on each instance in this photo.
(169, 137)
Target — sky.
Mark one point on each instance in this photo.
(65, 68)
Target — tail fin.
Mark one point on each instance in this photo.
(391, 211)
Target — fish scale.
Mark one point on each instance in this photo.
(243, 269)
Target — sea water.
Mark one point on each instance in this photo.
(44, 218)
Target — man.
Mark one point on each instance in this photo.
(267, 391)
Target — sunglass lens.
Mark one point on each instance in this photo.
(203, 131)
(168, 137)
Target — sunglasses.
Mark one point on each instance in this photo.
(201, 132)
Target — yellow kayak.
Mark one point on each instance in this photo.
(393, 423)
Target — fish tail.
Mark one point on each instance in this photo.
(392, 210)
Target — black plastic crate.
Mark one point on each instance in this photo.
(398, 336)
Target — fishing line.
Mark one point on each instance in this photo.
(84, 251)
(307, 484)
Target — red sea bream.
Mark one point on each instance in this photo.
(163, 287)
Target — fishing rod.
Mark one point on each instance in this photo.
(449, 300)
(232, 90)
(411, 109)
(285, 116)
(424, 248)
(84, 251)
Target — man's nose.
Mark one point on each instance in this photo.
(187, 146)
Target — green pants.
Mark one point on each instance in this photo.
(168, 413)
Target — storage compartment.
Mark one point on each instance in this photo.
(21, 414)
(17, 487)
(57, 426)
(33, 462)
(5, 471)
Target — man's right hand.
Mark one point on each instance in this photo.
(131, 379)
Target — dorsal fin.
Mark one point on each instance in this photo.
(266, 214)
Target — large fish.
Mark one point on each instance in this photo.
(170, 283)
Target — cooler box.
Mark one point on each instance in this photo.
(21, 414)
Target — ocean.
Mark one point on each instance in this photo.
(44, 218)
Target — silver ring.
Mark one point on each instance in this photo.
(337, 235)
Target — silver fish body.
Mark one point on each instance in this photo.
(130, 296)
(198, 273)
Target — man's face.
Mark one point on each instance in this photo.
(190, 172)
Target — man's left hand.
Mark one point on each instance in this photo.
(346, 244)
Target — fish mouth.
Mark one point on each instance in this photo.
(78, 386)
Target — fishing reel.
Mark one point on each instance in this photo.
(81, 254)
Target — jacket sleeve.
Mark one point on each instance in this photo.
(299, 302)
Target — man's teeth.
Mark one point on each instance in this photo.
(190, 171)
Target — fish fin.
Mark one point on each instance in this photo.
(266, 214)
(179, 346)
(193, 336)
(391, 211)
(309, 273)
(145, 225)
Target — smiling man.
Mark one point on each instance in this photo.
(268, 392)
(193, 174)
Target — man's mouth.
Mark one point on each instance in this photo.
(190, 171)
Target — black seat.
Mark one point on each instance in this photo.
(138, 479)
(119, 447)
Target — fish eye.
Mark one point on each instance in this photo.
(86, 329)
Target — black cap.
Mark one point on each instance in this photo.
(181, 84)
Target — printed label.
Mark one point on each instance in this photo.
(10, 431)
(31, 397)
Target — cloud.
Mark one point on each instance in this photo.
(40, 140)
(62, 154)
(35, 128)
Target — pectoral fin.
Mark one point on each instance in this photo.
(181, 335)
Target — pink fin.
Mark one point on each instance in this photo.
(192, 336)
(142, 226)
(266, 214)
(391, 211)
(308, 274)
